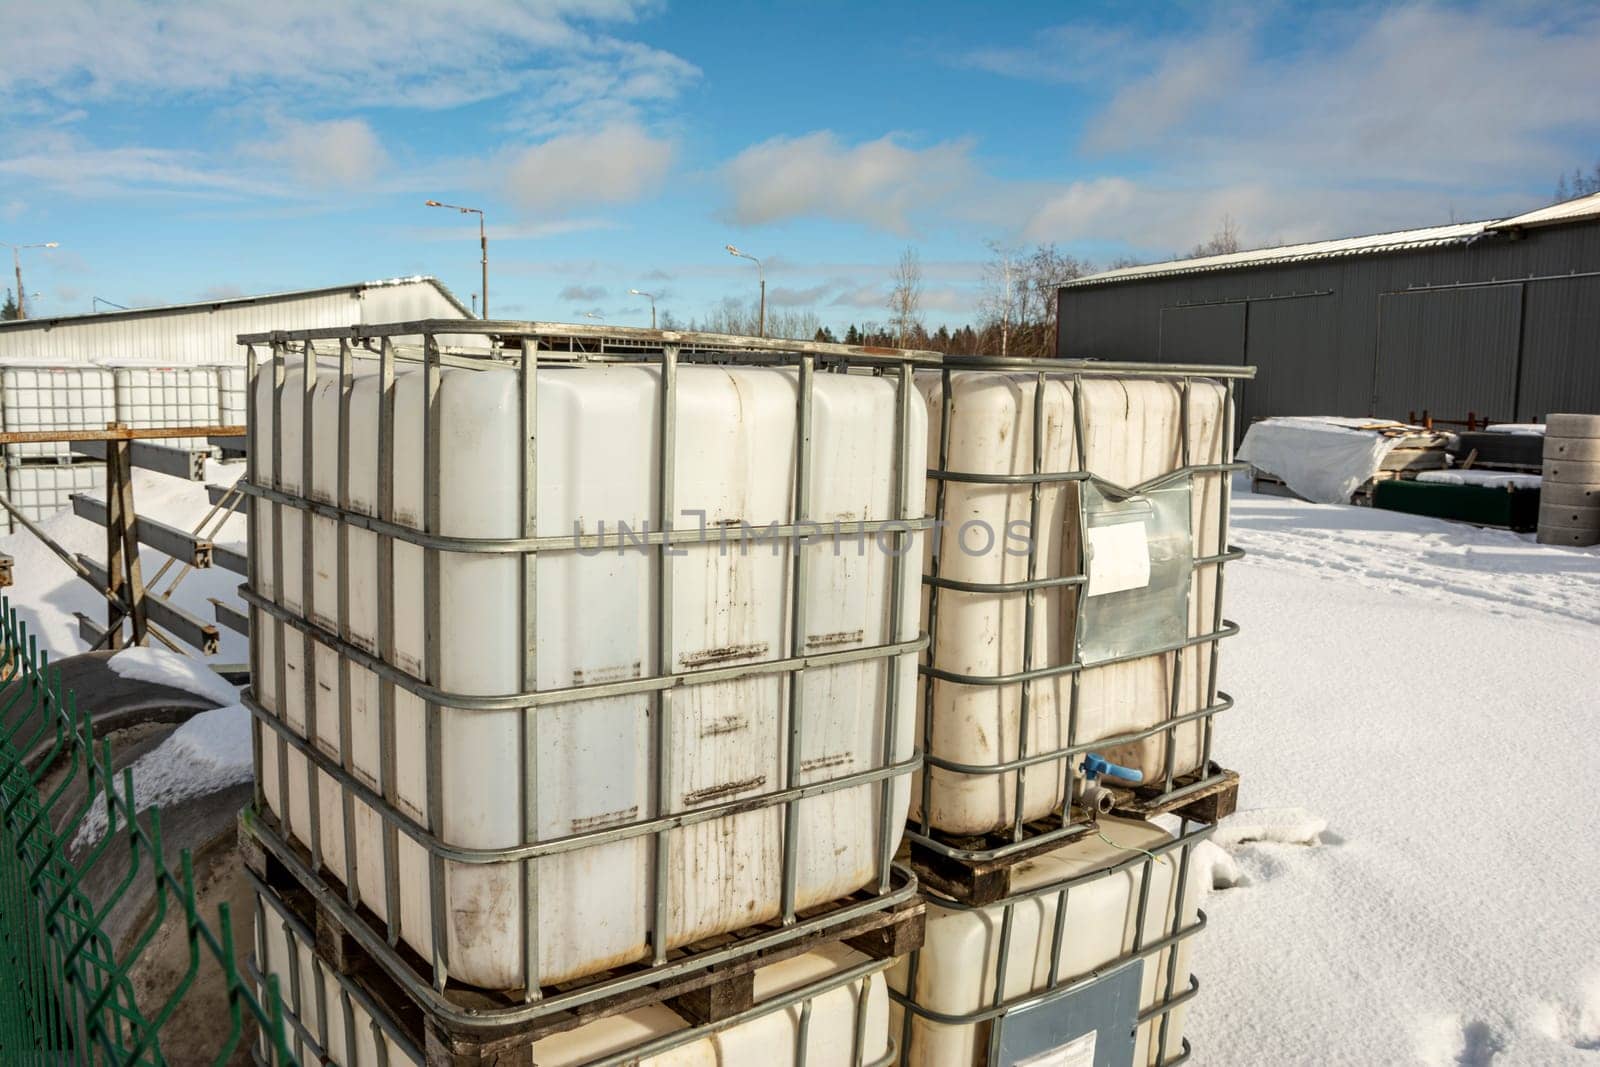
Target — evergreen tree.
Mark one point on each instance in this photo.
(825, 335)
(8, 310)
(852, 336)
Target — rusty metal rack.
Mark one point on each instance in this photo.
(1144, 949)
(524, 348)
(120, 578)
(1025, 836)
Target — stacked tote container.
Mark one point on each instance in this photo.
(37, 396)
(42, 475)
(829, 1006)
(1569, 492)
(1073, 602)
(556, 674)
(157, 397)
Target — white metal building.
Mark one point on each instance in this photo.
(205, 332)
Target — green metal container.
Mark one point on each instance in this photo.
(1483, 505)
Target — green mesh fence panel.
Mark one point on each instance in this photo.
(70, 993)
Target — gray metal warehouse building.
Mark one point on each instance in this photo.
(1500, 319)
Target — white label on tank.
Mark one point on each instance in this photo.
(1079, 1052)
(1119, 558)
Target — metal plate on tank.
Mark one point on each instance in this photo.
(1140, 560)
(1093, 1026)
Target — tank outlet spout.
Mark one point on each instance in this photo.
(1097, 799)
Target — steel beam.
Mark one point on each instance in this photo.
(229, 446)
(164, 613)
(216, 493)
(179, 544)
(231, 617)
(184, 463)
(89, 630)
(230, 559)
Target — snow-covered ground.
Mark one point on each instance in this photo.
(1426, 692)
(1430, 690)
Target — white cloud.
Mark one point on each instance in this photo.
(616, 164)
(1369, 120)
(414, 53)
(862, 296)
(1454, 97)
(881, 183)
(338, 152)
(787, 296)
(582, 294)
(67, 164)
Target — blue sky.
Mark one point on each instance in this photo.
(182, 151)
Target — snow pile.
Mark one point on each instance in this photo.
(46, 592)
(1427, 689)
(170, 669)
(208, 753)
(1490, 479)
(1529, 429)
(1324, 459)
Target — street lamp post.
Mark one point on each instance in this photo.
(761, 274)
(16, 266)
(650, 297)
(483, 245)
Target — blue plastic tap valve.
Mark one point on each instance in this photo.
(1094, 766)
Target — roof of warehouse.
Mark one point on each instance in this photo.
(232, 301)
(1579, 209)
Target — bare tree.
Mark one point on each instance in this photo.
(1225, 240)
(905, 296)
(1020, 297)
(1581, 184)
(999, 301)
(734, 316)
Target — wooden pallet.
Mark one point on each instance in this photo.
(708, 995)
(982, 881)
(1211, 802)
(986, 881)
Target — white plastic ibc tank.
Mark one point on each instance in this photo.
(771, 1038)
(232, 385)
(153, 397)
(1132, 435)
(956, 973)
(43, 396)
(40, 490)
(597, 434)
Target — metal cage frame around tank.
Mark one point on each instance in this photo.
(1173, 931)
(1075, 371)
(524, 346)
(301, 938)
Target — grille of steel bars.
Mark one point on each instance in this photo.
(69, 994)
(1172, 932)
(525, 346)
(1023, 833)
(313, 1035)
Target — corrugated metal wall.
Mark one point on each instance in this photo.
(207, 335)
(1320, 352)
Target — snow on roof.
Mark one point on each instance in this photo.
(1346, 246)
(1576, 210)
(230, 301)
